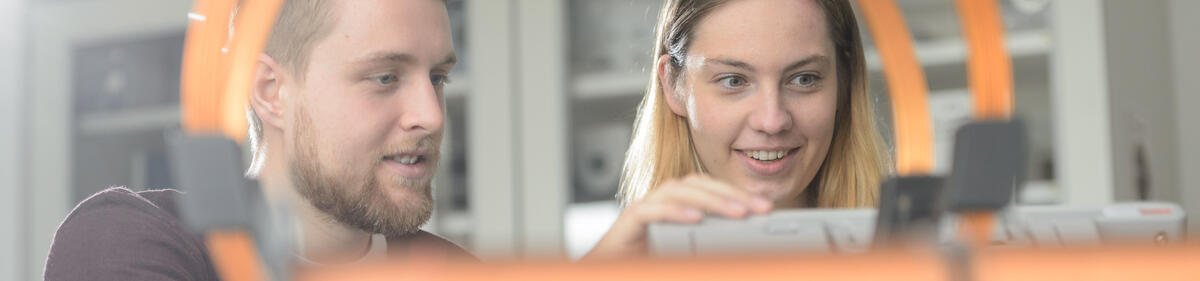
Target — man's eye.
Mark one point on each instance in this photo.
(732, 82)
(806, 80)
(386, 79)
(439, 80)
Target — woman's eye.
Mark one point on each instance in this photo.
(733, 82)
(806, 80)
(386, 79)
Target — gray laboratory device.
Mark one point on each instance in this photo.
(852, 231)
(988, 168)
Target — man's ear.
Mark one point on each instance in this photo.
(666, 80)
(265, 97)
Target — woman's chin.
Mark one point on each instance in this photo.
(770, 190)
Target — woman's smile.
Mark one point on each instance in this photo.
(767, 162)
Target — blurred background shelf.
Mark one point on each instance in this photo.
(953, 50)
(129, 121)
(592, 86)
(942, 52)
(456, 225)
(458, 87)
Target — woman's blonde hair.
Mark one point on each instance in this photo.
(662, 146)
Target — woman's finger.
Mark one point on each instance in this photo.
(684, 194)
(651, 213)
(755, 203)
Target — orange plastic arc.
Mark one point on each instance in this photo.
(233, 255)
(1177, 262)
(202, 84)
(989, 68)
(906, 82)
(253, 28)
(219, 63)
(976, 228)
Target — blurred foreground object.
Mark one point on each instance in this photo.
(224, 39)
(851, 231)
(1109, 263)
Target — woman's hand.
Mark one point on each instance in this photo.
(679, 201)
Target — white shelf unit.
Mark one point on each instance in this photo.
(515, 170)
(459, 87)
(453, 225)
(609, 84)
(13, 48)
(132, 120)
(950, 51)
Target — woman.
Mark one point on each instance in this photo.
(754, 105)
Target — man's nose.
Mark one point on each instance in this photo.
(769, 114)
(421, 107)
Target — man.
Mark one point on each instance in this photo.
(346, 120)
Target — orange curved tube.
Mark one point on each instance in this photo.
(253, 28)
(203, 63)
(234, 256)
(1107, 263)
(989, 67)
(906, 83)
(897, 266)
(218, 65)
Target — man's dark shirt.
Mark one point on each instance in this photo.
(118, 234)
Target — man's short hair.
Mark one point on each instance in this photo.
(300, 25)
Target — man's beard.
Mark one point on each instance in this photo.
(354, 197)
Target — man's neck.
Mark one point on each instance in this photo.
(321, 239)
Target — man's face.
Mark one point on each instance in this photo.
(366, 122)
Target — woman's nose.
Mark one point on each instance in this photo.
(769, 114)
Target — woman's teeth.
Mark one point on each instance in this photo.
(764, 155)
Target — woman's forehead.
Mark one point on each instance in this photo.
(762, 32)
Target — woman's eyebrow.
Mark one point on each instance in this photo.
(731, 62)
(814, 59)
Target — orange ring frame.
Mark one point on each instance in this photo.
(214, 96)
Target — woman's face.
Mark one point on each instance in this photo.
(760, 94)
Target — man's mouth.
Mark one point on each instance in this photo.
(411, 165)
(406, 159)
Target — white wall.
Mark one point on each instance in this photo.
(12, 40)
(493, 163)
(1185, 41)
(1083, 165)
(1142, 98)
(543, 135)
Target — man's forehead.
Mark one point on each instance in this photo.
(391, 31)
(391, 14)
(390, 57)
